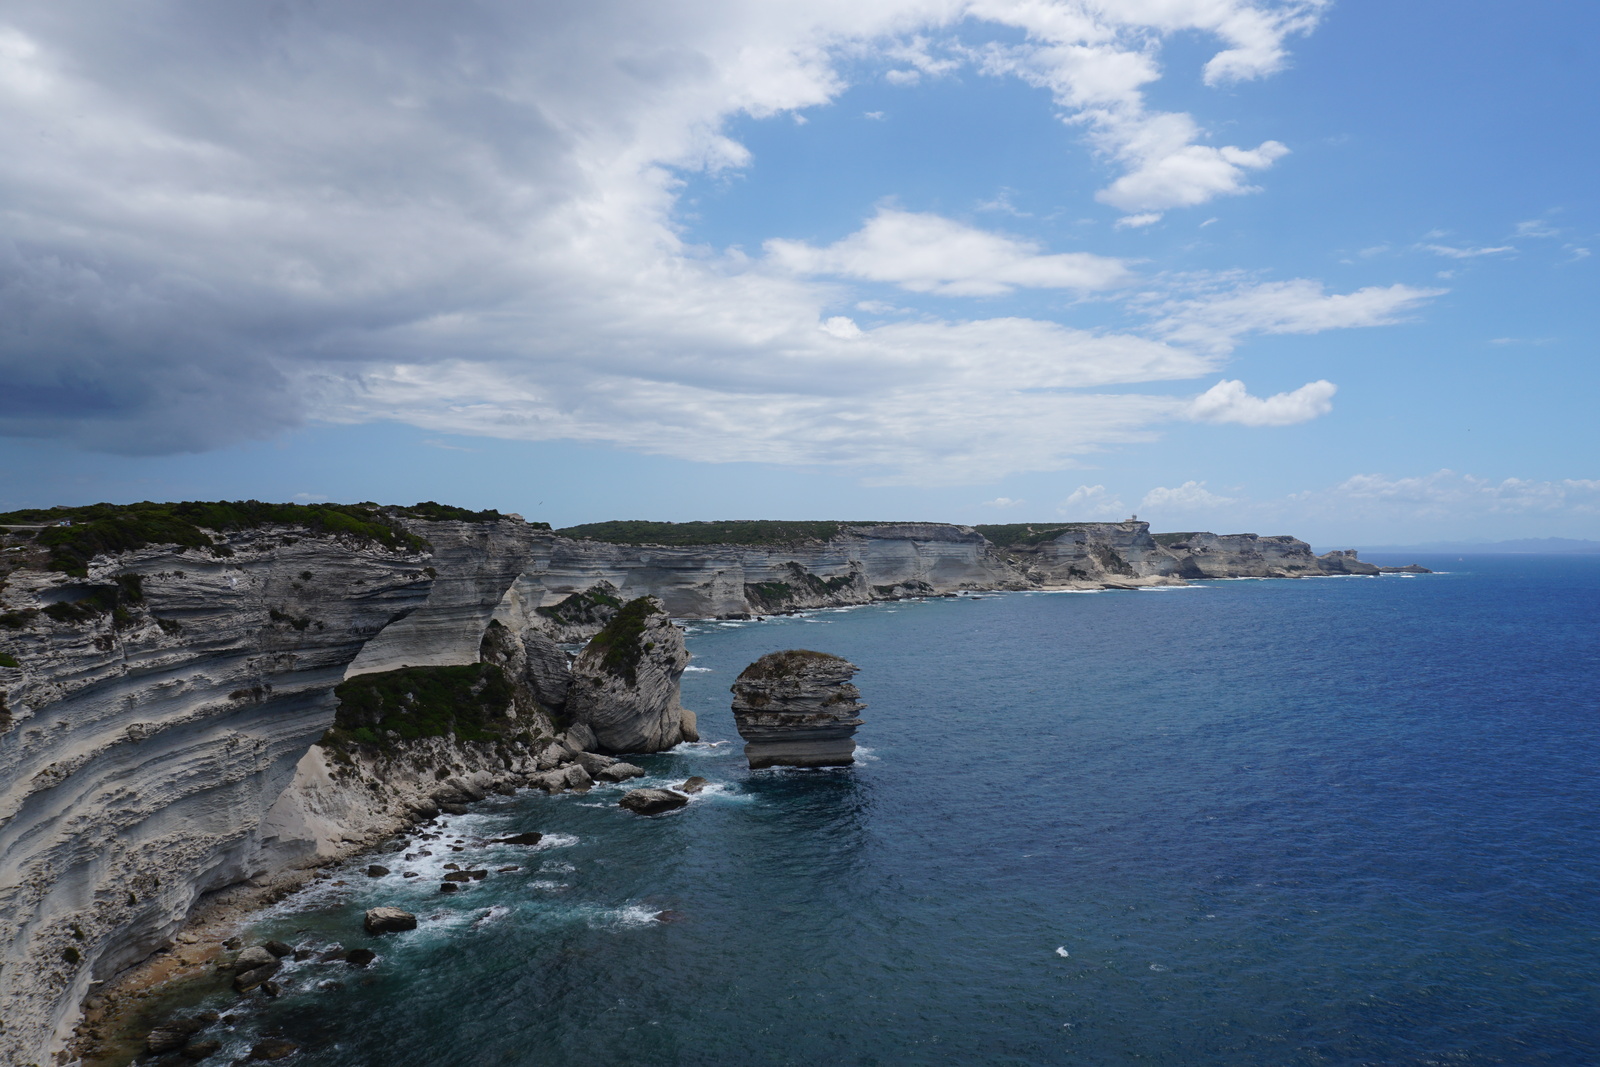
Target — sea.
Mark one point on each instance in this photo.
(1324, 821)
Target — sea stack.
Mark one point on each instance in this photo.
(797, 709)
(625, 683)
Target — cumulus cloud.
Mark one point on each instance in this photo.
(222, 220)
(930, 254)
(1229, 401)
(1096, 60)
(1190, 496)
(1094, 502)
(1003, 502)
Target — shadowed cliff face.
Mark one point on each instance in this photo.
(147, 741)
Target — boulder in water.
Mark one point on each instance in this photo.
(273, 1048)
(253, 957)
(652, 801)
(385, 920)
(620, 772)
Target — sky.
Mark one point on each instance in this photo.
(1320, 267)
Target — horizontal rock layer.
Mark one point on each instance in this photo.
(798, 709)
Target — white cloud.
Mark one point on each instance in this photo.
(1216, 320)
(1096, 59)
(1003, 502)
(1450, 494)
(1147, 218)
(1467, 253)
(1229, 401)
(1093, 502)
(876, 116)
(931, 254)
(463, 217)
(1190, 496)
(1536, 228)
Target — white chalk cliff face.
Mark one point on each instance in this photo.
(158, 740)
(147, 742)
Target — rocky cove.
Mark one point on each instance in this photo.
(173, 745)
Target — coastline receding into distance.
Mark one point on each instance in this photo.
(217, 687)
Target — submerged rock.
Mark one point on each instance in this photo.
(693, 785)
(532, 837)
(273, 1048)
(797, 709)
(625, 683)
(386, 920)
(652, 801)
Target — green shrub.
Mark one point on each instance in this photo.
(469, 701)
(8, 660)
(622, 640)
(594, 606)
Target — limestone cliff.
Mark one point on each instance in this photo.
(798, 709)
(625, 682)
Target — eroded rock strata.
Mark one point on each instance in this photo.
(164, 684)
(798, 709)
(625, 682)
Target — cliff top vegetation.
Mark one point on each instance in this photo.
(777, 665)
(1029, 533)
(436, 512)
(722, 532)
(73, 536)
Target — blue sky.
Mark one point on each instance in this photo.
(1319, 268)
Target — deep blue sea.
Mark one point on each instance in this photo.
(1325, 821)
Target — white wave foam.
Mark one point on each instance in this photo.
(699, 670)
(556, 867)
(499, 911)
(1158, 968)
(633, 915)
(548, 886)
(688, 747)
(1062, 951)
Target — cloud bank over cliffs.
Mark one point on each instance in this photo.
(222, 222)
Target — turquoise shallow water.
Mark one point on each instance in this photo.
(1330, 821)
